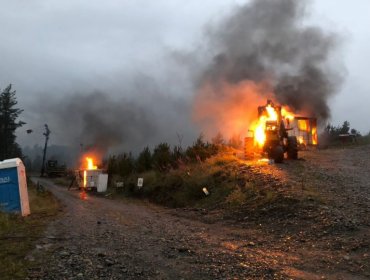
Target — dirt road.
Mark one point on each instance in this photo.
(99, 238)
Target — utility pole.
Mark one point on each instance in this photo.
(46, 134)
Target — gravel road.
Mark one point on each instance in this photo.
(100, 238)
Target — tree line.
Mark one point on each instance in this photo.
(9, 122)
(162, 158)
(332, 134)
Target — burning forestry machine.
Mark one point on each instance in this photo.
(274, 134)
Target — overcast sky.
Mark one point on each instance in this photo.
(55, 47)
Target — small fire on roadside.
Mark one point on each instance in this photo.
(89, 166)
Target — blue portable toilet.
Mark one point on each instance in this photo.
(13, 187)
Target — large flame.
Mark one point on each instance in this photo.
(287, 114)
(314, 136)
(231, 110)
(89, 166)
(259, 127)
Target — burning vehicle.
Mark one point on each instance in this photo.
(278, 132)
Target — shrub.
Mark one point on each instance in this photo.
(122, 164)
(201, 150)
(235, 141)
(144, 160)
(218, 140)
(162, 157)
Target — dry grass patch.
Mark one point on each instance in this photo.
(18, 235)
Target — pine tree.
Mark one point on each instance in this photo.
(8, 124)
(144, 161)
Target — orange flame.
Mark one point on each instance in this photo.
(90, 166)
(85, 180)
(314, 135)
(272, 115)
(286, 114)
(260, 126)
(303, 125)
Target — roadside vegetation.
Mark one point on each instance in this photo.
(187, 185)
(173, 176)
(206, 175)
(340, 135)
(18, 235)
(214, 175)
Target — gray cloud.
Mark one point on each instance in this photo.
(109, 121)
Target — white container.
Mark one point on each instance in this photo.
(92, 178)
(102, 183)
(13, 187)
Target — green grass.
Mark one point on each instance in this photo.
(18, 235)
(229, 188)
(364, 140)
(184, 187)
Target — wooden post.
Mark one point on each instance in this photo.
(46, 134)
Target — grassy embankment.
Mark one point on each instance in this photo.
(230, 181)
(18, 235)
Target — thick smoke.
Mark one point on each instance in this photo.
(99, 121)
(262, 50)
(122, 120)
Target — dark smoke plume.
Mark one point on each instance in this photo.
(120, 121)
(99, 121)
(266, 43)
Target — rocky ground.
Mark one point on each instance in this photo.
(317, 228)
